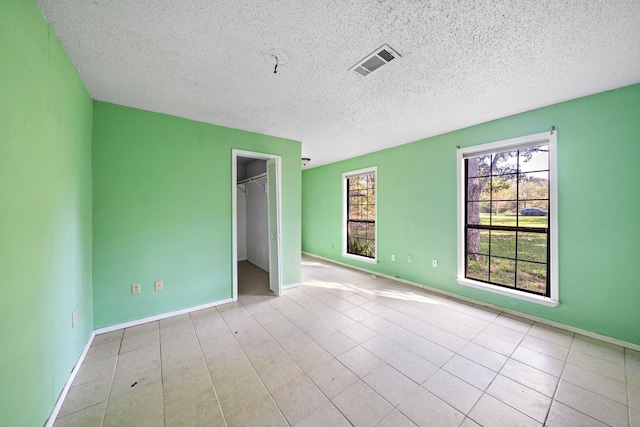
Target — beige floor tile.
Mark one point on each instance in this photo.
(634, 418)
(87, 417)
(141, 329)
(563, 416)
(395, 419)
(522, 398)
(490, 411)
(140, 408)
(361, 405)
(264, 351)
(483, 356)
(545, 347)
(310, 355)
(610, 352)
(457, 393)
(86, 395)
(604, 386)
(326, 415)
(247, 335)
(101, 350)
(342, 306)
(357, 299)
(551, 334)
(298, 398)
(92, 371)
(633, 395)
(173, 321)
(317, 329)
(516, 323)
(137, 368)
(140, 340)
(442, 338)
(233, 394)
(390, 384)
(259, 412)
(277, 372)
(531, 377)
(471, 372)
(497, 344)
(267, 315)
(592, 404)
(537, 360)
(468, 422)
(332, 378)
(360, 361)
(411, 365)
(336, 343)
(615, 371)
(504, 333)
(357, 313)
(425, 409)
(191, 403)
(358, 333)
(291, 340)
(338, 320)
(108, 336)
(424, 348)
(217, 357)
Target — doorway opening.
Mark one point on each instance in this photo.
(256, 224)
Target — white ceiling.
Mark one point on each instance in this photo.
(463, 62)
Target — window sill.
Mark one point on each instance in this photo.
(536, 299)
(360, 258)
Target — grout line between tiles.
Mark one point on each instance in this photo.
(204, 360)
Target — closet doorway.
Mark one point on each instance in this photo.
(256, 224)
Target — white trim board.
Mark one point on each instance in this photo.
(63, 394)
(569, 328)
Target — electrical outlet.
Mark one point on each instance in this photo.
(409, 258)
(158, 285)
(434, 263)
(393, 257)
(74, 317)
(135, 288)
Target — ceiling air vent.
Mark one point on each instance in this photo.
(381, 56)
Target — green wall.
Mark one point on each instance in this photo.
(599, 207)
(162, 211)
(45, 216)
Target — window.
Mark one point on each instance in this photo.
(359, 223)
(507, 217)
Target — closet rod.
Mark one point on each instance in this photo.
(255, 178)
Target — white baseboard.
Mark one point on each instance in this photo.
(67, 385)
(569, 328)
(292, 285)
(160, 316)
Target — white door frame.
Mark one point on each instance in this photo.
(235, 153)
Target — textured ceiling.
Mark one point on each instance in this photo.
(463, 62)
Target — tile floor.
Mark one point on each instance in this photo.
(350, 349)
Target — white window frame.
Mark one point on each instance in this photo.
(549, 138)
(345, 190)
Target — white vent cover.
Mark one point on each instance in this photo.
(381, 56)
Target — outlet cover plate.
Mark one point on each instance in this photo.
(135, 288)
(158, 285)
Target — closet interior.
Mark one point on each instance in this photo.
(252, 220)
